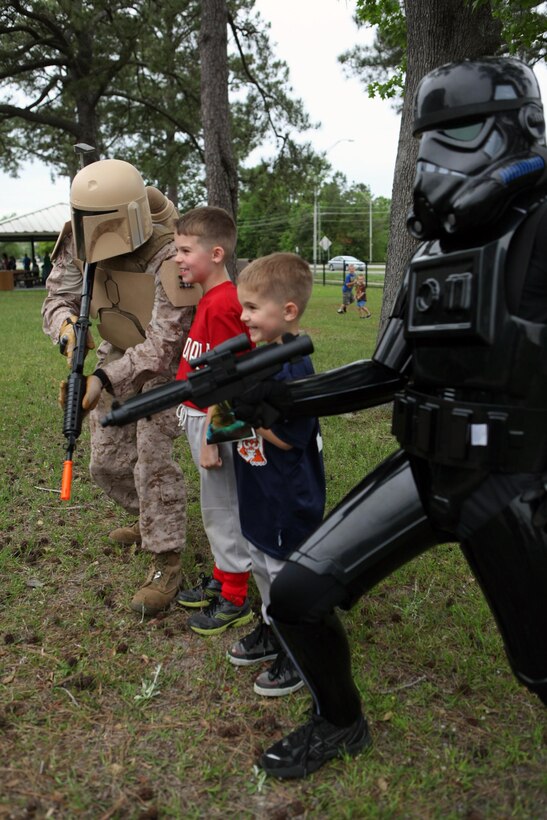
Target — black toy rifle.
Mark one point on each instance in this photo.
(76, 384)
(221, 376)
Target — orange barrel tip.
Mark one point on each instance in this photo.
(66, 481)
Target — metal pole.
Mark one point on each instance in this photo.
(314, 231)
(370, 229)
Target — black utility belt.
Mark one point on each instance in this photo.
(466, 434)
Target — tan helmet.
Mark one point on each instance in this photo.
(110, 211)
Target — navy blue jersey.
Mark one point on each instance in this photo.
(281, 493)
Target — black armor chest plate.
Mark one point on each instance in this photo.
(478, 396)
(462, 334)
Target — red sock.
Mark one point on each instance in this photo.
(234, 586)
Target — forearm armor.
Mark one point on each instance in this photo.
(352, 387)
(362, 384)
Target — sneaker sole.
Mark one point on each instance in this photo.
(277, 692)
(196, 604)
(238, 661)
(362, 746)
(241, 621)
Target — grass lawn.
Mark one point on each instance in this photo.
(103, 715)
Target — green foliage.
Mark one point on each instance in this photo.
(126, 79)
(275, 198)
(272, 218)
(346, 214)
(382, 66)
(16, 249)
(43, 248)
(57, 60)
(524, 27)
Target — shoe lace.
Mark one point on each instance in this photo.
(281, 664)
(214, 606)
(304, 734)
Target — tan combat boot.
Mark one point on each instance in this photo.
(161, 585)
(126, 535)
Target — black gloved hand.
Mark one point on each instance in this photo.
(263, 403)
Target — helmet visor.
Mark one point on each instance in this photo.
(102, 234)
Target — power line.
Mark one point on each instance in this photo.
(304, 217)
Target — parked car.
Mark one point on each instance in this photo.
(341, 262)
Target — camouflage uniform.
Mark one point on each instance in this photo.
(134, 465)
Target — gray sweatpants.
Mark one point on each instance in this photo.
(218, 498)
(265, 568)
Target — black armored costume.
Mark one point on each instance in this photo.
(464, 358)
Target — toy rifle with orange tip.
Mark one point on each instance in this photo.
(76, 384)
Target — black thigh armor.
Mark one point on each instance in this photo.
(468, 337)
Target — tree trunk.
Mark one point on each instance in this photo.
(220, 168)
(88, 130)
(438, 31)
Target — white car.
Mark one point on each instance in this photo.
(343, 262)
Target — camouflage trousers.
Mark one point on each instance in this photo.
(134, 466)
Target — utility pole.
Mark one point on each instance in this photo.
(370, 228)
(315, 229)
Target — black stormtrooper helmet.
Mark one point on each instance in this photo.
(482, 136)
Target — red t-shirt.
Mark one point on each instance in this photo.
(216, 320)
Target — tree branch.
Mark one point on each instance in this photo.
(40, 118)
(252, 79)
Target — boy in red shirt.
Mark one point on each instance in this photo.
(205, 237)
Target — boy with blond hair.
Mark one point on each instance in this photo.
(280, 473)
(205, 238)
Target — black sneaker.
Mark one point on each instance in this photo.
(280, 679)
(201, 595)
(259, 645)
(219, 615)
(310, 746)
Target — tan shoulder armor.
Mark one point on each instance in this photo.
(179, 294)
(65, 230)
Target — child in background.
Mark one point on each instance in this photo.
(361, 297)
(205, 238)
(347, 289)
(280, 473)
